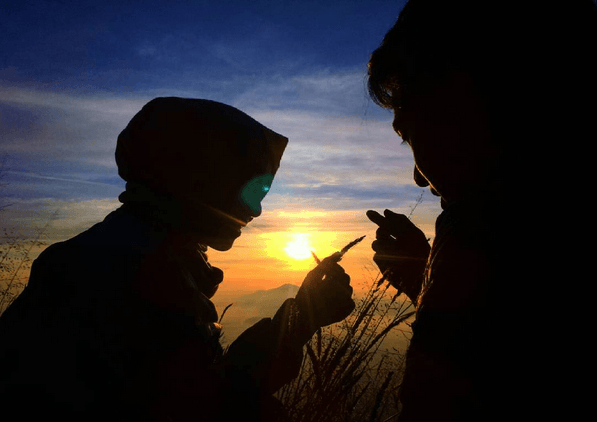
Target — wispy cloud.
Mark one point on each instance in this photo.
(44, 125)
(340, 156)
(338, 92)
(59, 218)
(75, 74)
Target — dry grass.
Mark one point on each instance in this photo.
(15, 263)
(15, 252)
(347, 374)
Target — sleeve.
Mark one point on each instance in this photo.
(239, 385)
(270, 353)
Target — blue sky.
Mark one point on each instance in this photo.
(73, 73)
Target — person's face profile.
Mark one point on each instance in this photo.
(233, 209)
(447, 132)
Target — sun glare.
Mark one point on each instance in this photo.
(299, 248)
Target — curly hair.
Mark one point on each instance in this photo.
(505, 48)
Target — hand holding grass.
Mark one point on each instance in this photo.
(325, 297)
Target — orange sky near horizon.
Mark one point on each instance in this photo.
(259, 260)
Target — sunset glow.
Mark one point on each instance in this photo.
(299, 247)
(342, 159)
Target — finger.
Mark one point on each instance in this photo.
(348, 307)
(375, 217)
(316, 273)
(345, 305)
(378, 245)
(325, 271)
(341, 291)
(397, 219)
(384, 245)
(382, 233)
(337, 275)
(331, 260)
(351, 305)
(334, 270)
(391, 214)
(330, 266)
(341, 280)
(400, 224)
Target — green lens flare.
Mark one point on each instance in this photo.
(255, 190)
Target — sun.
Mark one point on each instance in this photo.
(299, 248)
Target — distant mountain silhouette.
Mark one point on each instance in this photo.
(264, 303)
(253, 320)
(249, 309)
(268, 298)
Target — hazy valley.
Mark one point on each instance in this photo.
(246, 310)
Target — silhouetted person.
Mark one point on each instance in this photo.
(116, 324)
(496, 101)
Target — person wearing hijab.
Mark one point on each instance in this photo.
(116, 324)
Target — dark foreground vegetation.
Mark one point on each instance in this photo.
(350, 372)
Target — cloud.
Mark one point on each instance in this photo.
(338, 92)
(340, 162)
(60, 145)
(85, 185)
(42, 125)
(58, 219)
(340, 155)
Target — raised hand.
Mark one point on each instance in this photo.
(325, 297)
(401, 251)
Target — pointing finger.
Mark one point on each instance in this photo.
(375, 217)
(395, 217)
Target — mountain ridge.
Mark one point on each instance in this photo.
(260, 297)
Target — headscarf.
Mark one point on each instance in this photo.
(183, 149)
(181, 158)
